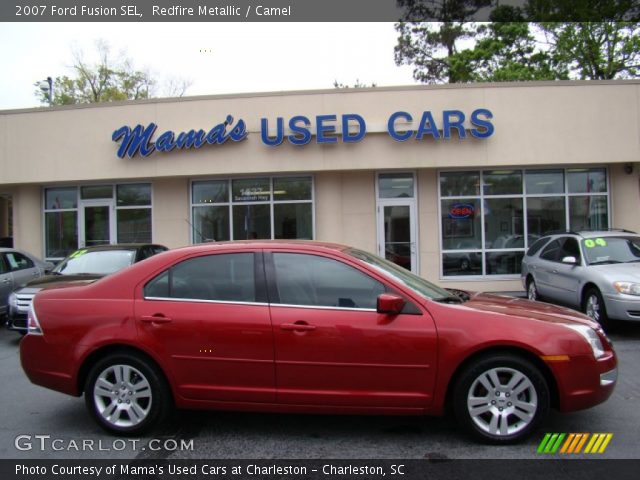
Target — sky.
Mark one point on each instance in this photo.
(218, 58)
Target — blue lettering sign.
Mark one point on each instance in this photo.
(322, 129)
(391, 126)
(264, 132)
(362, 128)
(486, 127)
(452, 119)
(301, 135)
(138, 139)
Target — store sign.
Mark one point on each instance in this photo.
(461, 210)
(138, 139)
(300, 130)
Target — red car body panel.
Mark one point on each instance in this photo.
(246, 356)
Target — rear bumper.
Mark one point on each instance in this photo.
(47, 365)
(584, 382)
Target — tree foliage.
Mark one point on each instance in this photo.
(358, 84)
(510, 49)
(109, 79)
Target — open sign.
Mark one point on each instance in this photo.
(461, 210)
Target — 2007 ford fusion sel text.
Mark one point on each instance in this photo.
(295, 326)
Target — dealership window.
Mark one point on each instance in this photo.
(490, 217)
(75, 216)
(252, 208)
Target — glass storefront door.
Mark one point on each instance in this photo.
(97, 223)
(397, 219)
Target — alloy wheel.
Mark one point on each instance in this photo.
(502, 401)
(593, 308)
(122, 395)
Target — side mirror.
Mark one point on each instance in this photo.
(570, 260)
(390, 304)
(48, 266)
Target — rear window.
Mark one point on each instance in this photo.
(101, 262)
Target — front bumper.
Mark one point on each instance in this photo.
(584, 382)
(623, 307)
(17, 323)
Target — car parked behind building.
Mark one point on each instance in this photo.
(290, 326)
(597, 272)
(83, 266)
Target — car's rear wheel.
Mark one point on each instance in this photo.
(126, 394)
(532, 290)
(593, 306)
(501, 398)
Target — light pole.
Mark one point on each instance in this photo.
(47, 87)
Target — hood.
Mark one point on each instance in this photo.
(49, 281)
(625, 272)
(520, 307)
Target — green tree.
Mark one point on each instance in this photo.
(427, 45)
(596, 50)
(506, 51)
(107, 80)
(510, 49)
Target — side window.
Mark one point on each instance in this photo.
(537, 245)
(17, 261)
(318, 281)
(222, 277)
(570, 248)
(551, 251)
(3, 267)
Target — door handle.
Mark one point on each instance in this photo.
(6, 280)
(157, 318)
(299, 326)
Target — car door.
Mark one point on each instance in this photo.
(332, 348)
(565, 277)
(22, 268)
(543, 269)
(6, 284)
(207, 316)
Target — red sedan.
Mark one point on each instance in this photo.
(309, 327)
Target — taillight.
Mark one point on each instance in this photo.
(33, 325)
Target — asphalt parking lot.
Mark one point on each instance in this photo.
(42, 424)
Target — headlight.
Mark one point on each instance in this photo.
(628, 288)
(592, 338)
(13, 302)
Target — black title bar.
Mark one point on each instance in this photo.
(316, 10)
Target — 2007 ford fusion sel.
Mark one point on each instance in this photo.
(290, 326)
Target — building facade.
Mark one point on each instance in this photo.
(452, 182)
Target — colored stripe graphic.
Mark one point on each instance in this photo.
(550, 443)
(574, 442)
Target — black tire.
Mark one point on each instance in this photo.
(137, 407)
(532, 290)
(504, 414)
(593, 306)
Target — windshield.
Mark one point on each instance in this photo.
(399, 274)
(100, 262)
(603, 250)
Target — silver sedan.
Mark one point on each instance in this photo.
(597, 272)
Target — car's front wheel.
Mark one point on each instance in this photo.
(501, 398)
(532, 290)
(593, 306)
(126, 394)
